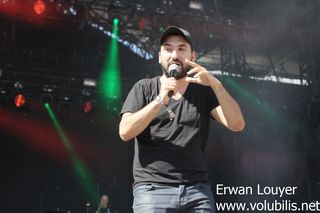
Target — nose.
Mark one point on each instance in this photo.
(174, 55)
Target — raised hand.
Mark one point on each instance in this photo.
(201, 75)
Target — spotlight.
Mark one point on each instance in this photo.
(39, 7)
(3, 92)
(70, 11)
(87, 106)
(47, 95)
(89, 82)
(18, 85)
(196, 5)
(73, 11)
(85, 101)
(115, 21)
(19, 100)
(85, 93)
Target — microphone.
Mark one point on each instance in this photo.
(173, 72)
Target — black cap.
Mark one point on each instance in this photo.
(173, 30)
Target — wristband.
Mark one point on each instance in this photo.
(159, 100)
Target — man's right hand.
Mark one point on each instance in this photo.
(167, 85)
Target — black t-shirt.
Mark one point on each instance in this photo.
(172, 151)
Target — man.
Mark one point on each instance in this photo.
(170, 169)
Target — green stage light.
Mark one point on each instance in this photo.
(266, 109)
(81, 171)
(110, 75)
(115, 22)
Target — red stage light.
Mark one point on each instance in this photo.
(87, 107)
(19, 100)
(39, 7)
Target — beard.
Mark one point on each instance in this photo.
(181, 73)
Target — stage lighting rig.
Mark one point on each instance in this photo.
(19, 98)
(85, 101)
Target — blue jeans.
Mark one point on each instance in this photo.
(159, 198)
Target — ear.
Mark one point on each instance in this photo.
(193, 56)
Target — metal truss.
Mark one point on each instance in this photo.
(218, 31)
(223, 36)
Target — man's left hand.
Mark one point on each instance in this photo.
(201, 75)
